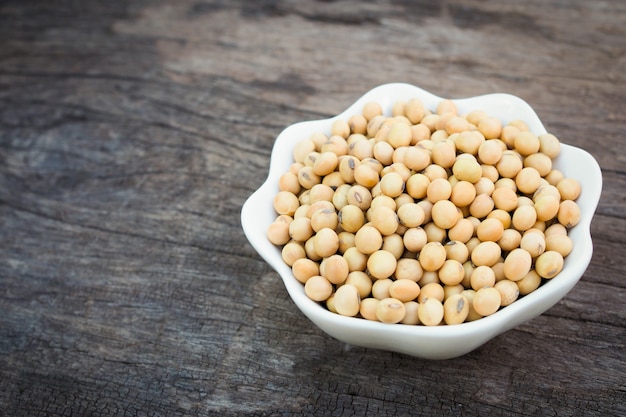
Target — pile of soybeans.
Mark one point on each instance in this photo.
(424, 216)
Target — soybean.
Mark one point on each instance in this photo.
(411, 313)
(486, 253)
(487, 301)
(569, 213)
(517, 264)
(390, 310)
(304, 268)
(425, 216)
(381, 264)
(455, 309)
(361, 280)
(404, 290)
(509, 292)
(347, 300)
(432, 256)
(318, 288)
(368, 308)
(335, 269)
(549, 264)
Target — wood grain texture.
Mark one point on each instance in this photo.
(132, 132)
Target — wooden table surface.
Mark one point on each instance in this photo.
(132, 132)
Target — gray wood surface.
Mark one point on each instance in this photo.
(132, 132)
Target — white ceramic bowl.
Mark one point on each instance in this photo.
(438, 342)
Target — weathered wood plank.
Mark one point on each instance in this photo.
(132, 132)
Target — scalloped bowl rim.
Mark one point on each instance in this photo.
(438, 342)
